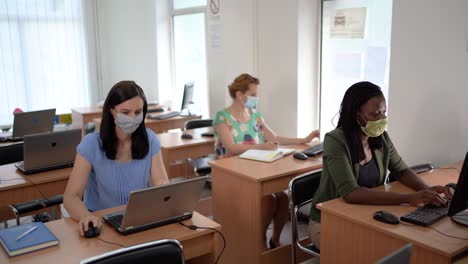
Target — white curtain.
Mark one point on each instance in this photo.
(43, 58)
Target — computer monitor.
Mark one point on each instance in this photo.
(187, 98)
(460, 198)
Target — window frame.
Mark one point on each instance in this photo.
(188, 11)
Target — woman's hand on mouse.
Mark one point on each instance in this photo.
(86, 219)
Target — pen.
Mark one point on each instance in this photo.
(26, 233)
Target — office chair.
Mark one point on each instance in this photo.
(34, 205)
(418, 168)
(198, 123)
(301, 191)
(167, 251)
(401, 256)
(201, 166)
(11, 153)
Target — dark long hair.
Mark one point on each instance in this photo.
(121, 92)
(356, 96)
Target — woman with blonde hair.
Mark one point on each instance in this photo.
(240, 127)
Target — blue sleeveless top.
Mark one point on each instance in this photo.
(110, 181)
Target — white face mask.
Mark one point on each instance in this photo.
(128, 124)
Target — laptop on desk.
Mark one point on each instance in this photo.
(49, 151)
(158, 206)
(33, 122)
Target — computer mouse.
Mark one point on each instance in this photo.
(92, 231)
(208, 134)
(187, 136)
(300, 156)
(452, 185)
(386, 217)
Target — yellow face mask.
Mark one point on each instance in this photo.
(375, 128)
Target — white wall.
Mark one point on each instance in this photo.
(236, 55)
(127, 44)
(261, 37)
(308, 96)
(278, 63)
(429, 80)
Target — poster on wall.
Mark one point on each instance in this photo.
(349, 23)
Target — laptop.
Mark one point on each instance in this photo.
(49, 151)
(401, 256)
(33, 122)
(157, 206)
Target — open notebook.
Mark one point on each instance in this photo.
(266, 155)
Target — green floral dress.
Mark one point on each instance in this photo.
(250, 133)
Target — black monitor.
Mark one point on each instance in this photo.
(187, 98)
(460, 198)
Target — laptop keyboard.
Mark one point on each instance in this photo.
(426, 215)
(116, 220)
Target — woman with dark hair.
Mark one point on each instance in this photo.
(122, 157)
(357, 155)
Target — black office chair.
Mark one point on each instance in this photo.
(401, 256)
(201, 166)
(22, 208)
(11, 153)
(198, 123)
(418, 168)
(301, 191)
(165, 251)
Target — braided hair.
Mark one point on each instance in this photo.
(355, 97)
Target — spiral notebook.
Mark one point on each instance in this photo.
(266, 155)
(41, 237)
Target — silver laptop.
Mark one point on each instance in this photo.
(158, 206)
(49, 151)
(33, 122)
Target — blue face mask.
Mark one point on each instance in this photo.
(251, 102)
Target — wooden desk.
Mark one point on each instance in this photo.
(14, 188)
(202, 246)
(238, 188)
(84, 115)
(161, 126)
(174, 148)
(349, 234)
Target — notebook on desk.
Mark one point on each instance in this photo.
(266, 155)
(35, 240)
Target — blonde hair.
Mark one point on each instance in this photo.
(241, 84)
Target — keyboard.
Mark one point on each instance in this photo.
(426, 216)
(315, 150)
(11, 139)
(164, 116)
(116, 220)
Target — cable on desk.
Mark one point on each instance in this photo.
(442, 233)
(112, 243)
(33, 184)
(194, 227)
(448, 168)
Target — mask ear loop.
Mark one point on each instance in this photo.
(359, 123)
(333, 119)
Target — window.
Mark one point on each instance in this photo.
(42, 56)
(189, 53)
(355, 47)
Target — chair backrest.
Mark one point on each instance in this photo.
(11, 153)
(165, 251)
(198, 123)
(303, 187)
(401, 256)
